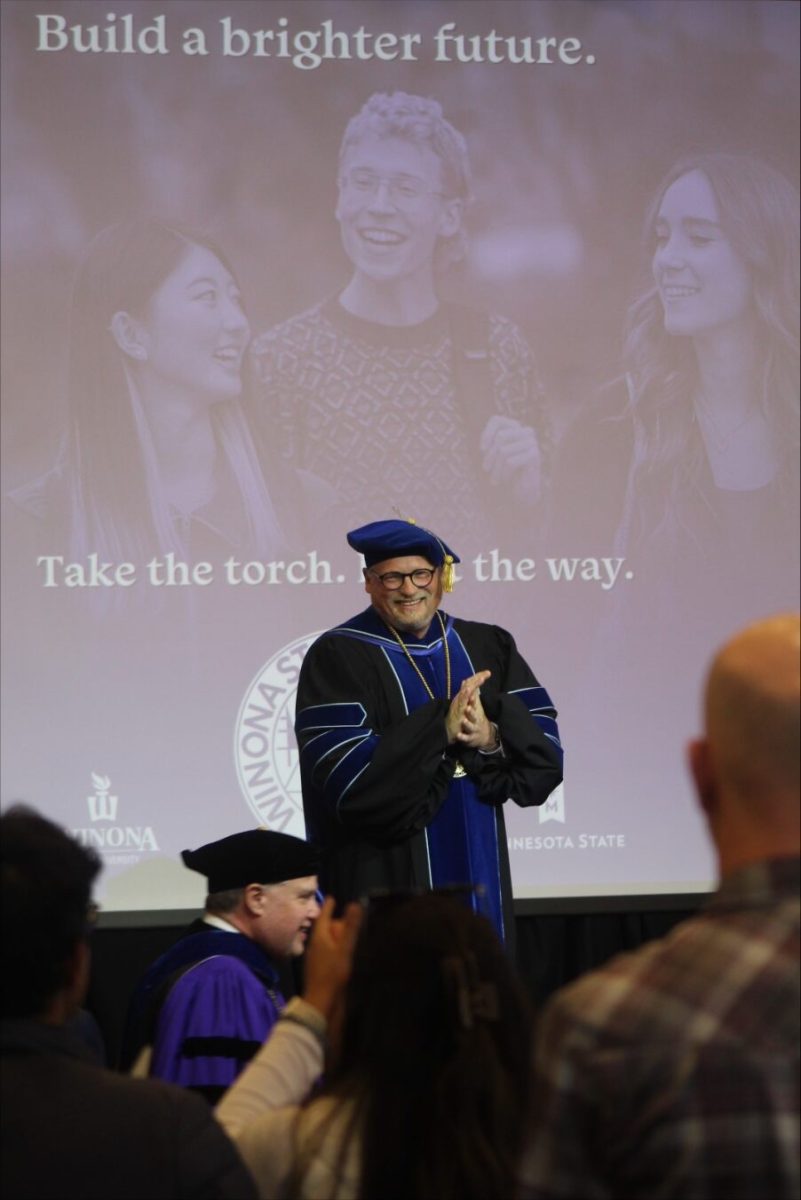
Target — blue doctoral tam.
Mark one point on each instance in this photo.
(381, 540)
(256, 856)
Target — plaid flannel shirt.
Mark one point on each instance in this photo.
(674, 1071)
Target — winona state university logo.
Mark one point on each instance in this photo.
(554, 807)
(117, 843)
(102, 805)
(265, 750)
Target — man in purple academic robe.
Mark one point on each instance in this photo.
(205, 1006)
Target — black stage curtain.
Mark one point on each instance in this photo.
(552, 950)
(555, 949)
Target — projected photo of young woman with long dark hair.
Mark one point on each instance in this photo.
(158, 456)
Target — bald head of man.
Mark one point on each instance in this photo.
(747, 766)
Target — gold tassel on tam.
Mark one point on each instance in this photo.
(448, 579)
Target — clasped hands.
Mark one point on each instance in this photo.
(328, 960)
(466, 722)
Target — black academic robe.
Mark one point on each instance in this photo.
(379, 791)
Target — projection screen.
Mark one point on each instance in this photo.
(600, 414)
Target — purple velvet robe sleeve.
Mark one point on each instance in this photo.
(214, 1019)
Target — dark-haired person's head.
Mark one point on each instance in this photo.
(47, 880)
(435, 1036)
(155, 308)
(157, 322)
(169, 302)
(143, 284)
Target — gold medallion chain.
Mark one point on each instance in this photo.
(422, 677)
(459, 771)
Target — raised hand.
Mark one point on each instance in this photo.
(511, 451)
(328, 960)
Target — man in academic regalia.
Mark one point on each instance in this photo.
(205, 1006)
(414, 728)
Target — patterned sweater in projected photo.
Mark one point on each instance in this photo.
(387, 414)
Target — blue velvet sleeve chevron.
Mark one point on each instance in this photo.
(541, 708)
(366, 763)
(375, 763)
(336, 746)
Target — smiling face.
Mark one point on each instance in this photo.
(703, 282)
(286, 914)
(194, 332)
(411, 608)
(391, 209)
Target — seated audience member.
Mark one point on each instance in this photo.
(674, 1071)
(206, 1005)
(69, 1127)
(426, 1085)
(86, 1027)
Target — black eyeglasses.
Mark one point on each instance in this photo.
(392, 580)
(404, 191)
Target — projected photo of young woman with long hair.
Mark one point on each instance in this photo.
(158, 456)
(712, 371)
(685, 467)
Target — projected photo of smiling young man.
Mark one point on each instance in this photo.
(387, 371)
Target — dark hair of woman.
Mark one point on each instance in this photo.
(116, 498)
(433, 1059)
